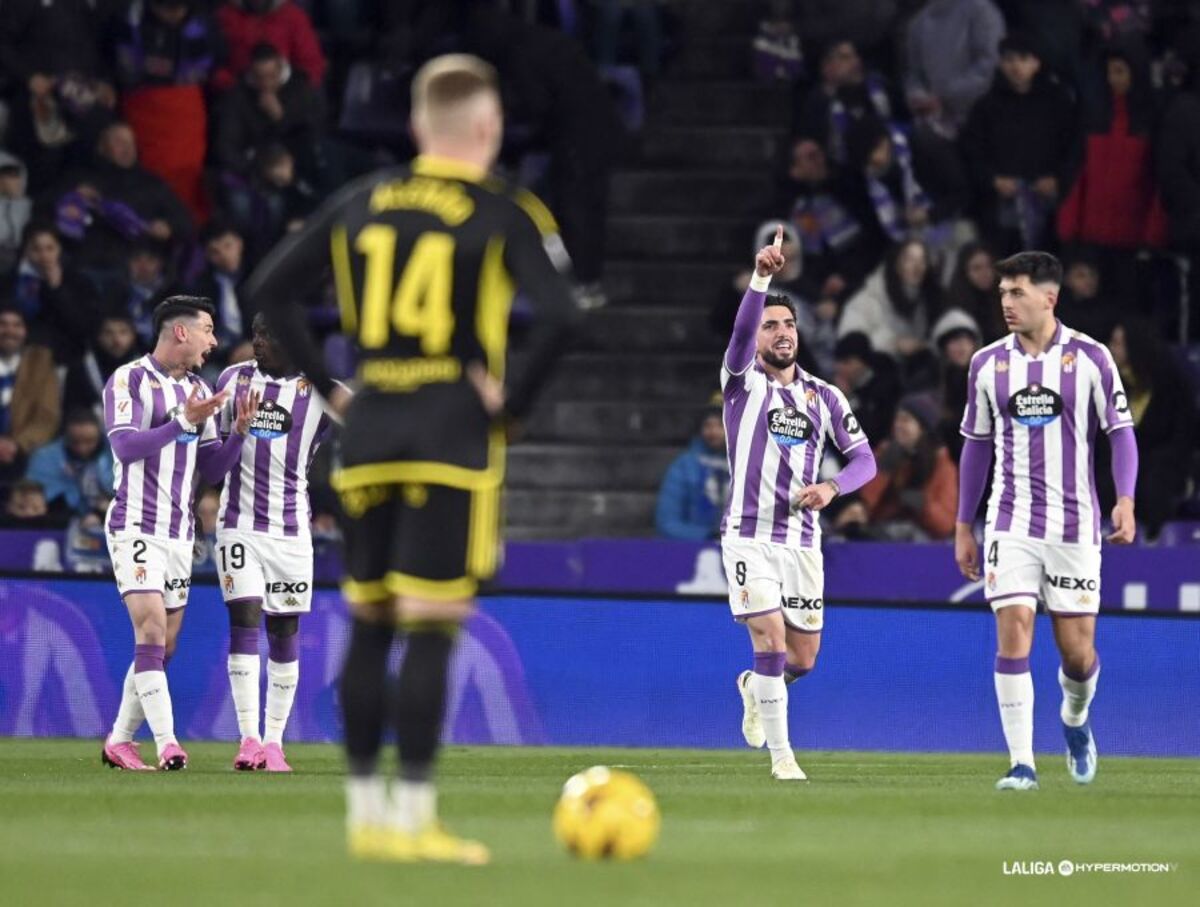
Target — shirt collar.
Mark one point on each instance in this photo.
(447, 168)
(1056, 340)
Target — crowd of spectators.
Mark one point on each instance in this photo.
(928, 139)
(152, 147)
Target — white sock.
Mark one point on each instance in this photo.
(414, 805)
(156, 703)
(282, 678)
(771, 695)
(243, 681)
(366, 801)
(130, 715)
(1014, 693)
(1077, 696)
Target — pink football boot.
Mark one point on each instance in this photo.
(124, 756)
(250, 756)
(275, 760)
(172, 758)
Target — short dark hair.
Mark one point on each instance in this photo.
(1039, 267)
(81, 415)
(216, 228)
(781, 300)
(181, 306)
(264, 50)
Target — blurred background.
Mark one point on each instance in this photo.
(164, 146)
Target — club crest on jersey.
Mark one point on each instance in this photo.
(139, 575)
(789, 427)
(186, 435)
(1068, 362)
(303, 387)
(1035, 406)
(810, 397)
(228, 583)
(271, 421)
(243, 380)
(1001, 366)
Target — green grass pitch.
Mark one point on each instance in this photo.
(869, 828)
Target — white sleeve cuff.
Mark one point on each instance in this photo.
(759, 283)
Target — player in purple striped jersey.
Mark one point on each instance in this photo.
(1037, 398)
(777, 421)
(159, 416)
(264, 544)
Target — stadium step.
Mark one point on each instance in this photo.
(740, 147)
(626, 422)
(544, 466)
(734, 102)
(706, 57)
(676, 236)
(604, 376)
(696, 192)
(576, 514)
(670, 282)
(653, 329)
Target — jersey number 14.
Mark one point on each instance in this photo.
(420, 303)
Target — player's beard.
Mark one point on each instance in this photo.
(773, 359)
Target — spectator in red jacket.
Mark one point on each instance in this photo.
(281, 23)
(1113, 203)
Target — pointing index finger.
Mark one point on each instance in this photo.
(778, 244)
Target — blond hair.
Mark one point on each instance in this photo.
(443, 85)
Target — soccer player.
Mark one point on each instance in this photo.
(159, 416)
(777, 421)
(264, 543)
(426, 259)
(1037, 397)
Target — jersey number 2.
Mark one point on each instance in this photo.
(419, 305)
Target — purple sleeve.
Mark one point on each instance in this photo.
(858, 471)
(972, 476)
(739, 355)
(1124, 460)
(132, 445)
(215, 460)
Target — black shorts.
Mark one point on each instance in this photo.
(426, 541)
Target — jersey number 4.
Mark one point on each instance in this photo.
(419, 304)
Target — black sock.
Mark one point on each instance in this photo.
(364, 694)
(421, 701)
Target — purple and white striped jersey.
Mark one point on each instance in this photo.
(153, 497)
(267, 491)
(775, 436)
(1042, 413)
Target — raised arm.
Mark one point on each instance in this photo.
(129, 445)
(743, 346)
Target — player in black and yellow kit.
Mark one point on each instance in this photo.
(426, 260)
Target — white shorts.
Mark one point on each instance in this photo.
(1018, 571)
(278, 572)
(143, 563)
(765, 577)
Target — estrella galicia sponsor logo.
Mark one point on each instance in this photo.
(789, 426)
(187, 435)
(850, 423)
(1035, 405)
(271, 421)
(1072, 583)
(284, 588)
(1120, 402)
(800, 603)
